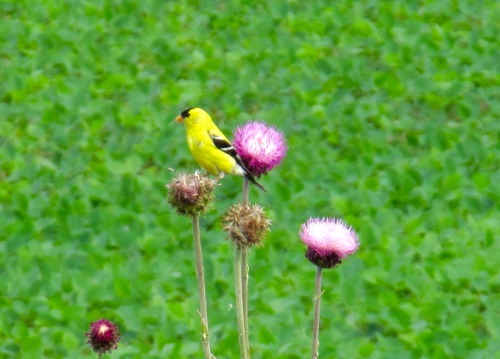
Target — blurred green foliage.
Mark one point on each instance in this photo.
(391, 110)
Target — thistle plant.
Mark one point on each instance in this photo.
(191, 195)
(328, 241)
(246, 226)
(103, 337)
(261, 148)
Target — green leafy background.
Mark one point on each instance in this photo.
(391, 111)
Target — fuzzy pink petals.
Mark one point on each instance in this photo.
(327, 236)
(260, 146)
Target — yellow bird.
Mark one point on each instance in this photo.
(210, 148)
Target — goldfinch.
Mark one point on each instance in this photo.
(210, 148)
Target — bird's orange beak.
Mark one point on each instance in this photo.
(179, 119)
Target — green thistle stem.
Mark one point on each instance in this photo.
(240, 313)
(245, 269)
(246, 190)
(201, 287)
(317, 302)
(244, 291)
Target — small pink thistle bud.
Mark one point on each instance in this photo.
(103, 336)
(191, 194)
(260, 146)
(328, 241)
(246, 224)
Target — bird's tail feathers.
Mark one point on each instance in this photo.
(245, 171)
(252, 179)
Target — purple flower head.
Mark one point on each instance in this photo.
(260, 146)
(103, 336)
(328, 240)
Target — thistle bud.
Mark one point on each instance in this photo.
(103, 336)
(191, 194)
(246, 224)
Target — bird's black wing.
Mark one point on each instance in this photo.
(223, 145)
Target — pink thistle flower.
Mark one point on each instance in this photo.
(103, 336)
(328, 240)
(260, 146)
